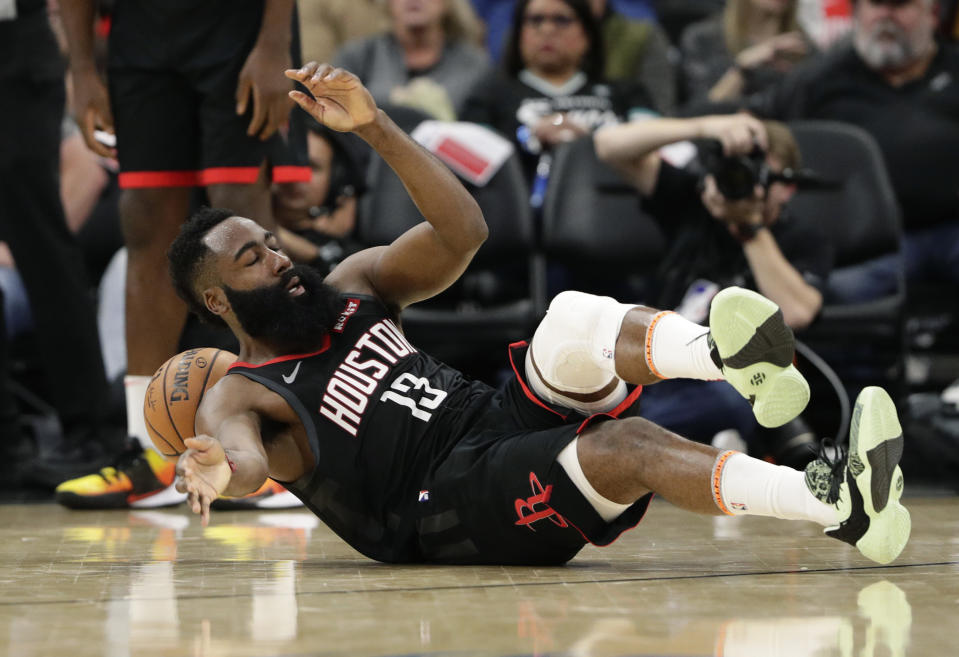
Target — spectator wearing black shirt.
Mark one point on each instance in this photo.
(551, 89)
(902, 86)
(715, 242)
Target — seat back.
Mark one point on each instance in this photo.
(592, 221)
(500, 297)
(864, 342)
(861, 215)
(389, 211)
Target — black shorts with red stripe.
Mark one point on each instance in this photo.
(500, 497)
(173, 71)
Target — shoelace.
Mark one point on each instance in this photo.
(836, 466)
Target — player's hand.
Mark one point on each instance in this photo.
(202, 472)
(738, 133)
(339, 100)
(259, 82)
(92, 109)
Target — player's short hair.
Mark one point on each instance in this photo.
(187, 254)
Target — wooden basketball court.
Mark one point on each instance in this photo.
(279, 583)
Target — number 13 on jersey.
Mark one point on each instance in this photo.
(428, 401)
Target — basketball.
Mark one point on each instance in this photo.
(174, 395)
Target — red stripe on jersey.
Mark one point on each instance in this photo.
(283, 359)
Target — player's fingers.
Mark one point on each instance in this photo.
(88, 128)
(274, 117)
(259, 112)
(309, 105)
(302, 73)
(205, 509)
(319, 76)
(243, 90)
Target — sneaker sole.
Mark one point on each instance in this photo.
(169, 496)
(875, 447)
(284, 500)
(757, 349)
(92, 502)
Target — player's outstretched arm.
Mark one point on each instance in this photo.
(233, 463)
(429, 257)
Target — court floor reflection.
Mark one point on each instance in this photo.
(156, 583)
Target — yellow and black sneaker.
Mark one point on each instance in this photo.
(138, 479)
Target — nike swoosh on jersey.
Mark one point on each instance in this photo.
(291, 377)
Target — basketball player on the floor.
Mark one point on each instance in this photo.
(407, 460)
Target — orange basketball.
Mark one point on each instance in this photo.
(174, 394)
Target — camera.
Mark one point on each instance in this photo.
(736, 175)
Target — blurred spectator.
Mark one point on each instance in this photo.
(637, 50)
(32, 222)
(323, 211)
(747, 47)
(722, 230)
(896, 81)
(198, 99)
(327, 25)
(551, 89)
(429, 59)
(496, 14)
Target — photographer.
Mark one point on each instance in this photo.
(745, 237)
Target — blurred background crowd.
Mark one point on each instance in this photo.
(652, 150)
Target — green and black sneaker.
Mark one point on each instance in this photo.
(754, 348)
(866, 483)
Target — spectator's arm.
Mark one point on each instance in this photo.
(779, 281)
(633, 147)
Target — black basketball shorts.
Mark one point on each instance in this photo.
(500, 497)
(173, 71)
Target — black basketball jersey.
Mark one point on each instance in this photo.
(378, 414)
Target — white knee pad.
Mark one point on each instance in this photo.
(571, 361)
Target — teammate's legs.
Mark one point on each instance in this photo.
(251, 201)
(151, 218)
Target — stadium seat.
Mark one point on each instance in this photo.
(501, 296)
(593, 226)
(865, 342)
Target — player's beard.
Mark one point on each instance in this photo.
(289, 324)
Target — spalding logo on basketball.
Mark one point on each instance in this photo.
(175, 392)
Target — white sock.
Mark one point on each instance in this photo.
(677, 348)
(135, 390)
(743, 485)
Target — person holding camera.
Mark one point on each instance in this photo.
(728, 226)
